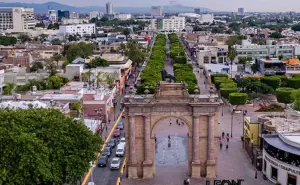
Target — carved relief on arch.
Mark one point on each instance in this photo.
(205, 109)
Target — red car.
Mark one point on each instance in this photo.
(117, 133)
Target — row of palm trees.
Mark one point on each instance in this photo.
(101, 78)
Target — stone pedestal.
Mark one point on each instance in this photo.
(196, 170)
(132, 172)
(147, 170)
(211, 169)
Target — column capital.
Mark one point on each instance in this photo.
(211, 114)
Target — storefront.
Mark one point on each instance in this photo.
(280, 165)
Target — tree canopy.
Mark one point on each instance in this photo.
(45, 147)
(5, 40)
(134, 51)
(98, 62)
(81, 49)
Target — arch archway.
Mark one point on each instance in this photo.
(171, 100)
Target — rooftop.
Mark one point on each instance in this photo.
(278, 142)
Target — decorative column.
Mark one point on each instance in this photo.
(147, 136)
(147, 164)
(196, 125)
(196, 166)
(211, 163)
(132, 167)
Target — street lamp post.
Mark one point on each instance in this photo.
(99, 114)
(244, 114)
(231, 122)
(222, 109)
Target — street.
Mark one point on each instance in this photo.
(104, 175)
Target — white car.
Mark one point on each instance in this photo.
(115, 163)
(123, 140)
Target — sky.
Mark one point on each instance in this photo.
(218, 5)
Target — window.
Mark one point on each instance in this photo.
(274, 173)
(292, 180)
(265, 165)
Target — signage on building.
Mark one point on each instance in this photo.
(294, 171)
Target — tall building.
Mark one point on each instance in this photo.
(74, 15)
(241, 11)
(122, 16)
(94, 14)
(63, 14)
(197, 10)
(156, 11)
(109, 8)
(17, 19)
(52, 15)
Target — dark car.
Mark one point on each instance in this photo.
(107, 151)
(103, 160)
(111, 143)
(117, 133)
(120, 126)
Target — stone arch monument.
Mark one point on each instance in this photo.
(199, 112)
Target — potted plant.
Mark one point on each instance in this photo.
(278, 183)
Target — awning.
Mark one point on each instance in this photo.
(128, 64)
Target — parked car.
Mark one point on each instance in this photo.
(111, 143)
(107, 151)
(117, 133)
(123, 140)
(103, 160)
(120, 126)
(115, 163)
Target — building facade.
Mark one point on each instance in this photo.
(95, 14)
(81, 29)
(63, 14)
(74, 15)
(281, 158)
(16, 19)
(241, 11)
(122, 16)
(109, 8)
(156, 11)
(74, 21)
(169, 24)
(52, 15)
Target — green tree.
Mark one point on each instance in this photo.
(55, 82)
(6, 41)
(296, 98)
(98, 62)
(99, 79)
(56, 58)
(126, 32)
(9, 88)
(81, 49)
(89, 73)
(283, 95)
(296, 27)
(51, 67)
(36, 66)
(134, 51)
(231, 55)
(273, 81)
(110, 80)
(24, 38)
(276, 35)
(42, 146)
(238, 99)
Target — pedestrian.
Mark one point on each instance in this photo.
(219, 138)
(179, 123)
(170, 123)
(106, 128)
(109, 121)
(223, 134)
(227, 137)
(226, 146)
(182, 123)
(221, 145)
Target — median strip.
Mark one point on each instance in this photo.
(103, 146)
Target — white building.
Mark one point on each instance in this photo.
(74, 15)
(75, 21)
(201, 18)
(17, 19)
(109, 8)
(96, 14)
(1, 80)
(156, 11)
(169, 24)
(281, 158)
(122, 16)
(52, 15)
(81, 29)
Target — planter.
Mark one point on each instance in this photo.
(237, 111)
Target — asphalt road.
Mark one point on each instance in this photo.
(104, 175)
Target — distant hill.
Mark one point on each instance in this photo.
(43, 8)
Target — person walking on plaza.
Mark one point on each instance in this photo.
(226, 146)
(227, 137)
(223, 134)
(221, 145)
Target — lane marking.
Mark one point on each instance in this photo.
(118, 181)
(123, 165)
(103, 146)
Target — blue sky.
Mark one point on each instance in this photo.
(226, 5)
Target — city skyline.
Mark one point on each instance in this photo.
(216, 5)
